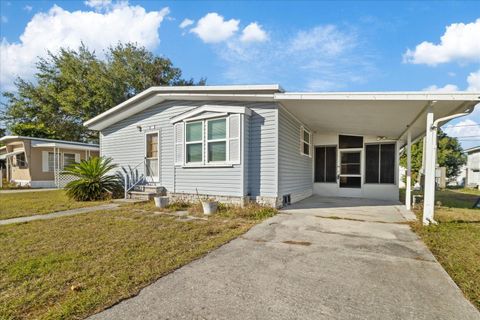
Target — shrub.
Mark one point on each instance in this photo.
(94, 182)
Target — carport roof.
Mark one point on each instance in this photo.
(386, 114)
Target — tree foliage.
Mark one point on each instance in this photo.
(449, 155)
(73, 86)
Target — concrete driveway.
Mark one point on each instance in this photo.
(319, 259)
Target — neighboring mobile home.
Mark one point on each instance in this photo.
(38, 162)
(240, 143)
(472, 169)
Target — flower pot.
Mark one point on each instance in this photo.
(161, 202)
(209, 207)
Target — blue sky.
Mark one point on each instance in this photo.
(304, 46)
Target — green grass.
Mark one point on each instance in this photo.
(72, 267)
(22, 204)
(455, 241)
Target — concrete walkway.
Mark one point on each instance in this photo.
(66, 213)
(323, 262)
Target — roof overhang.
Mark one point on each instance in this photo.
(386, 114)
(37, 141)
(42, 144)
(11, 154)
(383, 114)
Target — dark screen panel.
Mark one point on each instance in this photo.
(387, 163)
(350, 182)
(372, 162)
(346, 142)
(319, 164)
(331, 164)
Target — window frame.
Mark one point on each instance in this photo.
(23, 163)
(63, 158)
(395, 155)
(303, 142)
(208, 141)
(201, 141)
(335, 147)
(55, 161)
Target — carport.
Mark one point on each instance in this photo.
(394, 119)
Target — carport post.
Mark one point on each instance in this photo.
(430, 161)
(408, 191)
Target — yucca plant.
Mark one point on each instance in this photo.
(94, 182)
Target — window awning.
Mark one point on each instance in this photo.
(10, 154)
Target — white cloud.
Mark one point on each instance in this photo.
(467, 128)
(321, 58)
(473, 81)
(98, 4)
(61, 28)
(213, 28)
(185, 23)
(460, 42)
(253, 33)
(445, 88)
(28, 8)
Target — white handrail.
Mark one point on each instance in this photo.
(126, 186)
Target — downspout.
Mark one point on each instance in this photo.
(434, 129)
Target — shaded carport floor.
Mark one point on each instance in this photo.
(306, 264)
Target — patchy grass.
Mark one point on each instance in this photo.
(23, 204)
(75, 266)
(452, 198)
(455, 241)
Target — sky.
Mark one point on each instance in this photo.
(303, 46)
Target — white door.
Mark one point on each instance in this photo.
(350, 173)
(151, 157)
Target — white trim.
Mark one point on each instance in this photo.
(37, 141)
(380, 96)
(157, 132)
(221, 109)
(302, 141)
(226, 140)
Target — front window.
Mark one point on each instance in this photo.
(20, 160)
(305, 141)
(380, 163)
(194, 142)
(217, 140)
(52, 162)
(68, 159)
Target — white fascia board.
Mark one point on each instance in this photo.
(380, 96)
(38, 144)
(238, 88)
(130, 107)
(33, 139)
(220, 109)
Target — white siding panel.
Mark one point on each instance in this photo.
(295, 169)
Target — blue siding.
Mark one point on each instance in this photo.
(295, 169)
(125, 144)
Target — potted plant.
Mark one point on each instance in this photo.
(209, 205)
(161, 202)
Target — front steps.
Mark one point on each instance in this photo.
(147, 192)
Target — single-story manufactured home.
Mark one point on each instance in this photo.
(38, 162)
(472, 169)
(259, 143)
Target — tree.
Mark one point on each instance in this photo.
(449, 155)
(73, 86)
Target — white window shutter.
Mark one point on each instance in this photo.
(77, 157)
(45, 161)
(178, 143)
(234, 126)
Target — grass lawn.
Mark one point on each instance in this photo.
(22, 204)
(75, 266)
(455, 241)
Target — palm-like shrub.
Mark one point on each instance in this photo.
(94, 182)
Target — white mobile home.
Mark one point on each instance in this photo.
(260, 143)
(472, 169)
